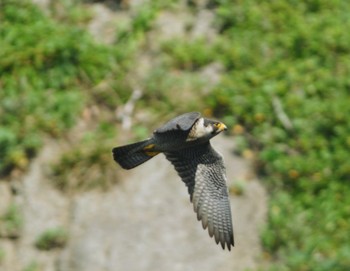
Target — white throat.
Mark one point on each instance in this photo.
(199, 130)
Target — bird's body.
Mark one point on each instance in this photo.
(184, 141)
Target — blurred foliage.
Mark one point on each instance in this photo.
(43, 66)
(2, 255)
(51, 239)
(189, 54)
(287, 83)
(11, 222)
(33, 266)
(87, 164)
(238, 188)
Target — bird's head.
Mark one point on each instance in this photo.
(218, 127)
(204, 129)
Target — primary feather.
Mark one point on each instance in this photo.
(202, 170)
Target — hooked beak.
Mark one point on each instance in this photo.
(222, 127)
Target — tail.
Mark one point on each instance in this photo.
(132, 155)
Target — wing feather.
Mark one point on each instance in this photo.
(202, 170)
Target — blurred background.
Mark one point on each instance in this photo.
(78, 78)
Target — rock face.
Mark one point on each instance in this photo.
(148, 223)
(144, 223)
(42, 207)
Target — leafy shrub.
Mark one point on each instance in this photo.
(51, 239)
(87, 165)
(189, 54)
(43, 65)
(287, 84)
(11, 222)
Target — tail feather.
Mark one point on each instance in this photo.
(132, 155)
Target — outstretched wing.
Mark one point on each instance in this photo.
(183, 122)
(203, 171)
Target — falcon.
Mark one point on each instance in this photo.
(185, 142)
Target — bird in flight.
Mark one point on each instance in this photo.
(185, 142)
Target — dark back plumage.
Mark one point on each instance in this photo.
(183, 123)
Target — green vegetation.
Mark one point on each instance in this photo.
(86, 165)
(43, 66)
(2, 255)
(51, 239)
(287, 83)
(284, 91)
(33, 266)
(11, 222)
(189, 55)
(238, 188)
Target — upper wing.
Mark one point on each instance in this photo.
(203, 171)
(183, 123)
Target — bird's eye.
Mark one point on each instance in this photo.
(216, 124)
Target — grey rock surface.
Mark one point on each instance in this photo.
(43, 208)
(148, 223)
